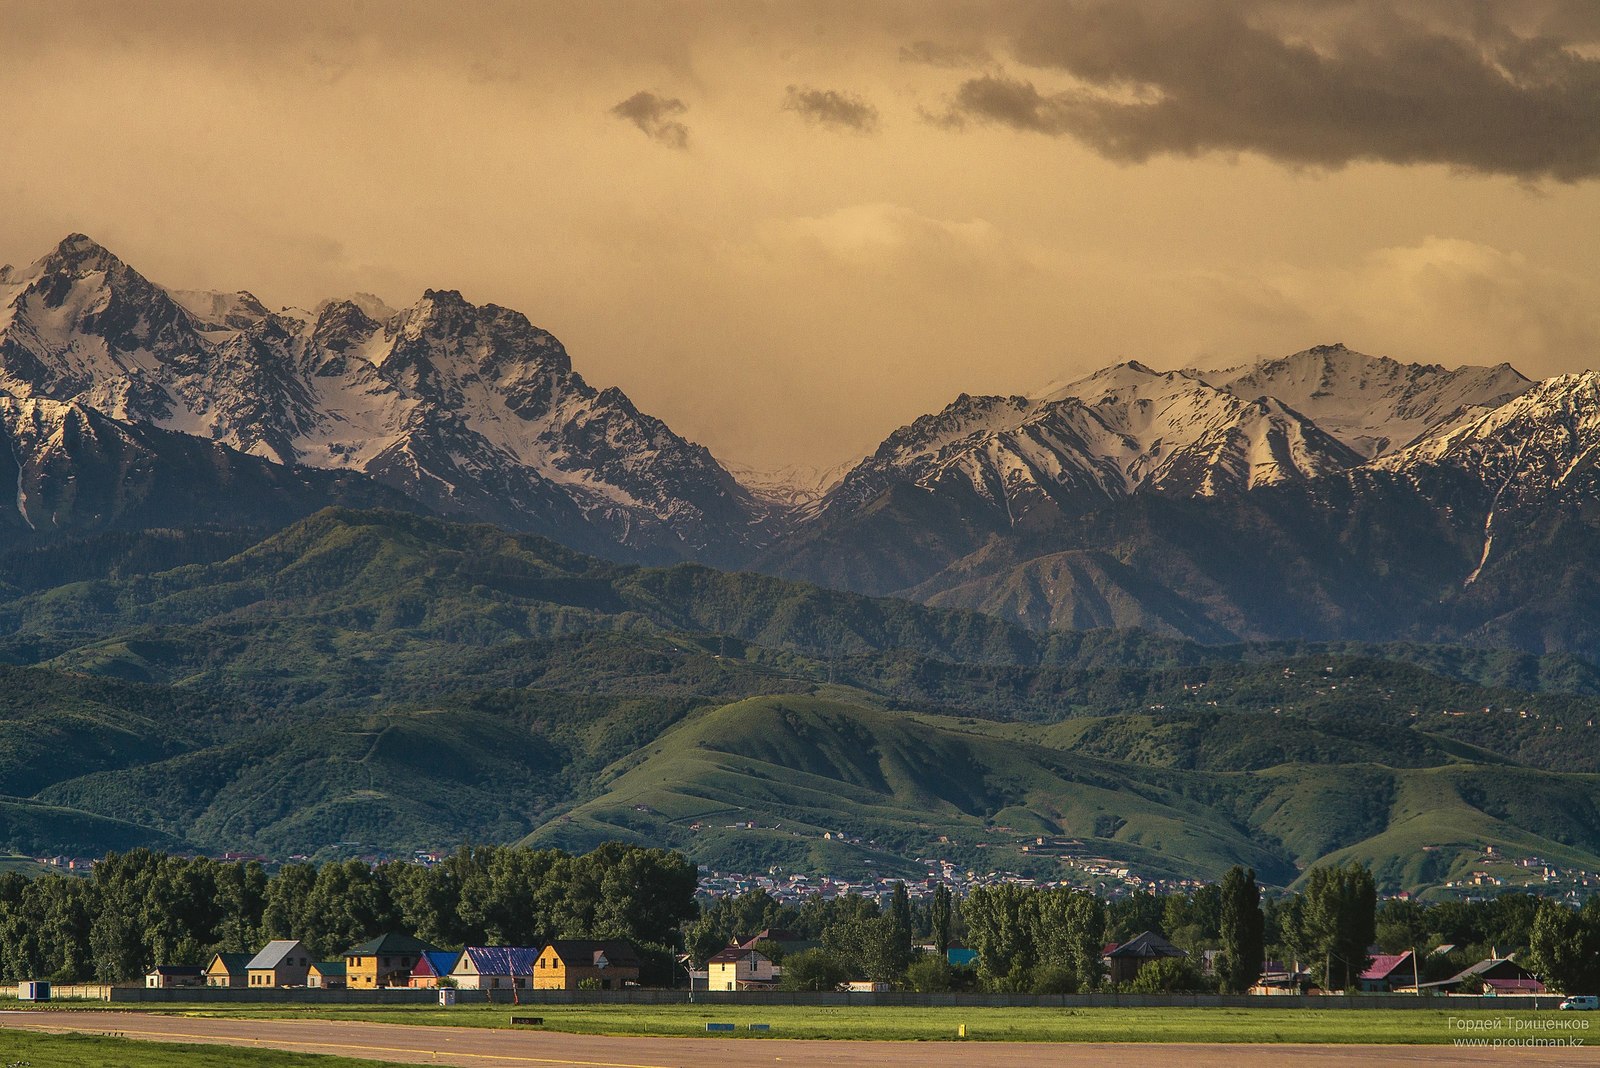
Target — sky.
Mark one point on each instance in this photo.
(788, 228)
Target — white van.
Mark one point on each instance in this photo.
(1582, 1002)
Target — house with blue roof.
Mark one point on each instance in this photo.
(495, 968)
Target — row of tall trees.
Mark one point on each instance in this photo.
(140, 909)
(1050, 940)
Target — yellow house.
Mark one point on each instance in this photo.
(740, 969)
(228, 969)
(383, 961)
(566, 963)
(282, 962)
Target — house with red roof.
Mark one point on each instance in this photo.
(1387, 973)
(432, 966)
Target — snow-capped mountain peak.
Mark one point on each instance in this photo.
(470, 408)
(1373, 404)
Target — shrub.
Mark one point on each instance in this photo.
(1168, 975)
(813, 969)
(930, 973)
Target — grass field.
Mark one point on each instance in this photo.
(94, 1051)
(1399, 1026)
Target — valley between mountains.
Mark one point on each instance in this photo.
(356, 579)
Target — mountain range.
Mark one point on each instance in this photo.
(1326, 494)
(356, 578)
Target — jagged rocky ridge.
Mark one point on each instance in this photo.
(471, 411)
(1327, 493)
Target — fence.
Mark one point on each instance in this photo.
(304, 995)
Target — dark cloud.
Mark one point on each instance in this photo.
(844, 111)
(937, 54)
(656, 116)
(1322, 84)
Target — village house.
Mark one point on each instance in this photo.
(1279, 978)
(787, 941)
(1496, 975)
(495, 968)
(171, 976)
(1126, 960)
(228, 969)
(736, 968)
(566, 964)
(1388, 972)
(326, 975)
(282, 962)
(384, 961)
(432, 967)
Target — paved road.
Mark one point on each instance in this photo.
(484, 1048)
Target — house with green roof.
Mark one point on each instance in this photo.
(326, 975)
(383, 961)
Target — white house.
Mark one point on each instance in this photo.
(495, 968)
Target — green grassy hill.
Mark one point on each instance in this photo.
(801, 767)
(365, 681)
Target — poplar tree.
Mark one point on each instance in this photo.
(1243, 930)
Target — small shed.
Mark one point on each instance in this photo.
(326, 975)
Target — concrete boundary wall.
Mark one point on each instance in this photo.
(306, 996)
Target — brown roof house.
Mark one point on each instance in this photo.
(570, 963)
(1496, 975)
(740, 968)
(1126, 960)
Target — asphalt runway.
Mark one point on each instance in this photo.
(468, 1047)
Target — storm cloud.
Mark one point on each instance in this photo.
(656, 116)
(829, 107)
(1336, 84)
